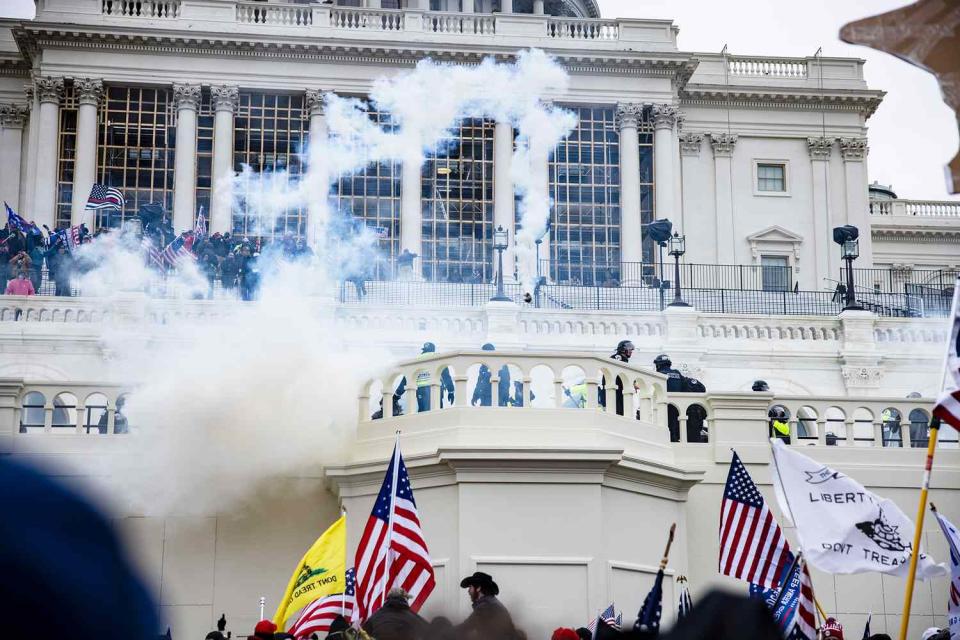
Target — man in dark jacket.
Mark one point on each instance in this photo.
(395, 620)
(490, 620)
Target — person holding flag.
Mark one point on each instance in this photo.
(321, 572)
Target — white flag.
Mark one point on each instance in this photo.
(842, 527)
(953, 600)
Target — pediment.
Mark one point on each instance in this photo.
(775, 234)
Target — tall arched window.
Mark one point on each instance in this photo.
(32, 411)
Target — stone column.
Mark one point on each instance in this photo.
(506, 6)
(321, 184)
(854, 152)
(225, 100)
(28, 168)
(538, 7)
(723, 144)
(827, 261)
(12, 119)
(49, 93)
(186, 97)
(503, 190)
(631, 247)
(664, 118)
(89, 93)
(468, 6)
(411, 209)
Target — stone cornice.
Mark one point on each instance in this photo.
(865, 102)
(32, 38)
(916, 235)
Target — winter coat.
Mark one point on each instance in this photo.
(490, 620)
(395, 620)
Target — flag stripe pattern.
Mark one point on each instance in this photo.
(953, 541)
(200, 228)
(392, 551)
(752, 546)
(948, 406)
(806, 621)
(606, 615)
(102, 197)
(948, 409)
(317, 616)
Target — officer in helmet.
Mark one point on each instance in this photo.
(664, 365)
(623, 354)
(483, 392)
(423, 382)
(624, 351)
(779, 425)
(760, 385)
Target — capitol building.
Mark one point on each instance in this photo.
(755, 160)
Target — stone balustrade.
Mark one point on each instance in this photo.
(460, 23)
(149, 9)
(579, 29)
(64, 408)
(274, 14)
(918, 208)
(768, 67)
(367, 19)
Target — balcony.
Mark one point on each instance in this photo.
(948, 209)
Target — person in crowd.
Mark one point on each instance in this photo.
(20, 286)
(359, 283)
(563, 633)
(265, 630)
(229, 272)
(395, 620)
(61, 269)
(489, 620)
(210, 265)
(250, 278)
(338, 629)
(405, 264)
(119, 420)
(831, 630)
(20, 264)
(584, 634)
(623, 353)
(36, 265)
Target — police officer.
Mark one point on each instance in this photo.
(423, 382)
(890, 420)
(623, 354)
(483, 392)
(779, 426)
(760, 385)
(664, 365)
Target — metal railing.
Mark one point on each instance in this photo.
(892, 280)
(693, 275)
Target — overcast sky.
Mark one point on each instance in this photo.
(912, 135)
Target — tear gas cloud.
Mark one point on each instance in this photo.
(270, 387)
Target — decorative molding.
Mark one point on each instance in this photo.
(723, 144)
(186, 96)
(49, 88)
(89, 90)
(315, 102)
(853, 149)
(864, 102)
(772, 238)
(225, 97)
(13, 116)
(860, 377)
(664, 116)
(917, 235)
(629, 114)
(820, 148)
(690, 143)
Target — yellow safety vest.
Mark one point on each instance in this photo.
(581, 391)
(781, 427)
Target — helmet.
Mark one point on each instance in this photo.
(488, 347)
(623, 345)
(429, 347)
(760, 385)
(662, 361)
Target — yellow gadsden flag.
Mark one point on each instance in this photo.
(320, 573)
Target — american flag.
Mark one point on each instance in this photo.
(805, 623)
(948, 406)
(69, 237)
(176, 251)
(392, 552)
(609, 618)
(685, 608)
(752, 546)
(953, 542)
(317, 616)
(155, 256)
(200, 228)
(102, 197)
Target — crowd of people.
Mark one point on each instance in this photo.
(718, 616)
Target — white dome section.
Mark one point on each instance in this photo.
(573, 8)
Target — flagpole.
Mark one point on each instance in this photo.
(343, 594)
(786, 580)
(921, 512)
(393, 498)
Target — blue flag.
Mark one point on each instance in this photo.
(786, 611)
(649, 618)
(17, 222)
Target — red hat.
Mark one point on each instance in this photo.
(265, 629)
(563, 633)
(832, 629)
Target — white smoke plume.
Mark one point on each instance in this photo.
(270, 387)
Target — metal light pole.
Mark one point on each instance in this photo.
(500, 239)
(851, 251)
(677, 249)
